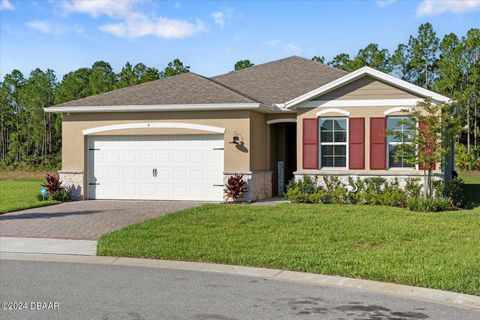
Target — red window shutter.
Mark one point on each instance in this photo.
(378, 150)
(310, 143)
(356, 144)
(422, 166)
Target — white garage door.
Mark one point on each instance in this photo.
(179, 167)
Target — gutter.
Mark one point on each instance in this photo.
(167, 107)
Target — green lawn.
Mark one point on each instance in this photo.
(20, 194)
(436, 250)
(472, 186)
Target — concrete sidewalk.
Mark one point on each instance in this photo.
(432, 295)
(49, 246)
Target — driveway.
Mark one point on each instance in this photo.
(84, 220)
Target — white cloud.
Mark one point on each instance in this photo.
(293, 48)
(138, 25)
(272, 42)
(436, 7)
(219, 18)
(385, 3)
(6, 5)
(112, 8)
(40, 25)
(131, 22)
(45, 26)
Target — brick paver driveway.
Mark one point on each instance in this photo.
(83, 219)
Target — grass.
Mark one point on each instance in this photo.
(435, 250)
(22, 174)
(20, 194)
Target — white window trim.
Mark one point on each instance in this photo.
(395, 143)
(397, 109)
(154, 125)
(332, 110)
(346, 143)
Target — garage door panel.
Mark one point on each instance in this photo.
(188, 167)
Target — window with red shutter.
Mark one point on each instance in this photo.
(377, 144)
(310, 143)
(356, 151)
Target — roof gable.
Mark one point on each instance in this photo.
(362, 72)
(367, 87)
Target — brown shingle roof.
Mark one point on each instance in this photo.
(269, 83)
(186, 88)
(281, 80)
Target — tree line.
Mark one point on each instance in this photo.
(29, 136)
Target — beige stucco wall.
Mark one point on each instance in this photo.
(361, 112)
(259, 133)
(73, 147)
(366, 88)
(363, 88)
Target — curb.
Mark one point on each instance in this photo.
(431, 295)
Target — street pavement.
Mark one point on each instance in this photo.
(53, 290)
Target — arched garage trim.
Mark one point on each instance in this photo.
(155, 125)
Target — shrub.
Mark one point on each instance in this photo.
(293, 193)
(308, 185)
(413, 187)
(235, 187)
(316, 197)
(456, 193)
(422, 204)
(61, 195)
(53, 184)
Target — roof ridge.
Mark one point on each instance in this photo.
(256, 65)
(229, 88)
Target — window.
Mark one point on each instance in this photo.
(405, 131)
(333, 142)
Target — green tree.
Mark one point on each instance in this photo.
(471, 78)
(126, 77)
(144, 73)
(174, 68)
(6, 120)
(341, 61)
(12, 84)
(417, 61)
(432, 139)
(74, 85)
(320, 59)
(242, 64)
(38, 92)
(372, 56)
(102, 78)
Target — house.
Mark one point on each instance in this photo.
(180, 138)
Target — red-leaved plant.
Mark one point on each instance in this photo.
(235, 187)
(53, 184)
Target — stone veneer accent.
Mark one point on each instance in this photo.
(74, 180)
(259, 184)
(343, 177)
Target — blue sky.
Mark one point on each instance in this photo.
(210, 36)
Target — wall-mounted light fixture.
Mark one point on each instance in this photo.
(235, 138)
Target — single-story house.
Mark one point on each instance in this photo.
(181, 137)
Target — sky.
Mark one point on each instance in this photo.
(210, 36)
